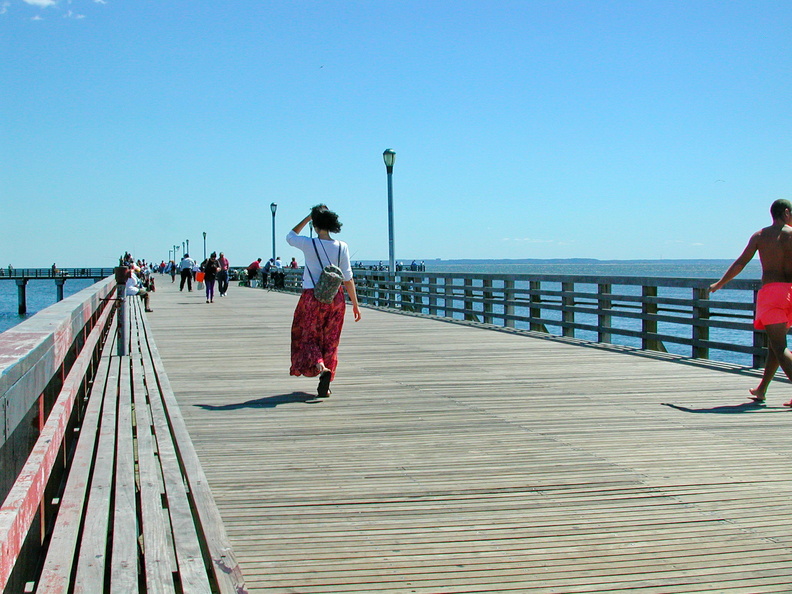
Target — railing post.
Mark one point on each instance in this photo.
(59, 282)
(21, 284)
(406, 288)
(649, 326)
(487, 296)
(567, 311)
(448, 291)
(536, 309)
(123, 311)
(700, 331)
(759, 342)
(604, 319)
(508, 303)
(467, 304)
(433, 296)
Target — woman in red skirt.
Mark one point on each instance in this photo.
(316, 328)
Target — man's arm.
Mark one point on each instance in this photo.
(737, 266)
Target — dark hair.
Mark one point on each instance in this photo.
(325, 219)
(778, 207)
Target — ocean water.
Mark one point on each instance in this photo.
(713, 269)
(40, 295)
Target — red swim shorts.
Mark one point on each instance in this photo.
(774, 305)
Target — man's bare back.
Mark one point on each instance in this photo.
(774, 244)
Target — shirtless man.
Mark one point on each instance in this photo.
(774, 301)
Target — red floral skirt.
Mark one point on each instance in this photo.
(316, 331)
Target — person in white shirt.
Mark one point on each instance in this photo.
(135, 287)
(185, 270)
(316, 328)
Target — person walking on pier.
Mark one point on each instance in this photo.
(210, 270)
(316, 328)
(222, 275)
(774, 300)
(185, 270)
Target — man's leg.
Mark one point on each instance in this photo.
(777, 339)
(771, 366)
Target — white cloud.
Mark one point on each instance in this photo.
(41, 3)
(529, 240)
(4, 7)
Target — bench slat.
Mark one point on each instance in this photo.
(93, 548)
(124, 560)
(159, 561)
(59, 564)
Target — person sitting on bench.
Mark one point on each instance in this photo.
(135, 287)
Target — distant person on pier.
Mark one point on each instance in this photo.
(210, 269)
(172, 269)
(316, 328)
(222, 275)
(774, 300)
(134, 286)
(253, 270)
(185, 270)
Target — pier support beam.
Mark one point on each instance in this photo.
(59, 282)
(22, 293)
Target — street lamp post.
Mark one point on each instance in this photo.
(204, 235)
(273, 208)
(188, 245)
(183, 250)
(389, 156)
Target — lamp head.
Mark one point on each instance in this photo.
(389, 156)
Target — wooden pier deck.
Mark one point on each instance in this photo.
(457, 459)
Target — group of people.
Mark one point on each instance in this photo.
(215, 269)
(271, 270)
(138, 279)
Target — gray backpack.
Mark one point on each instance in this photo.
(326, 288)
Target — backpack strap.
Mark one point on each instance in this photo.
(308, 268)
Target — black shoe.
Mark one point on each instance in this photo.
(324, 383)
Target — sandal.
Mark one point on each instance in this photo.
(324, 383)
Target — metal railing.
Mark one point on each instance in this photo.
(31, 273)
(652, 313)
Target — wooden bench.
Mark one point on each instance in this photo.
(137, 514)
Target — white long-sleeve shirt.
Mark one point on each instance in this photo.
(337, 253)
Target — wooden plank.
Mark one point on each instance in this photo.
(193, 574)
(159, 564)
(60, 560)
(93, 552)
(457, 459)
(125, 527)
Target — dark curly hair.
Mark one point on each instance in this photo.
(326, 219)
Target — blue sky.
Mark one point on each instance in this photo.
(553, 129)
